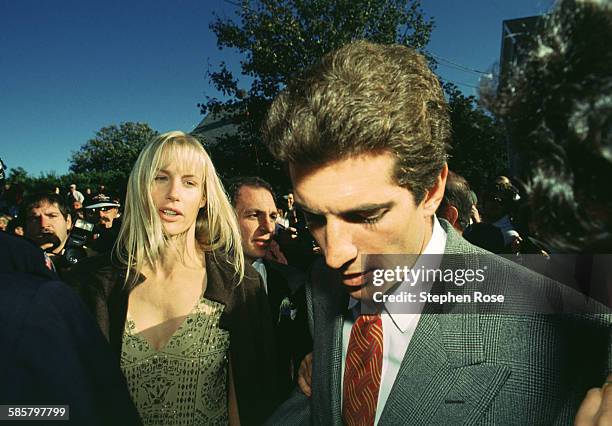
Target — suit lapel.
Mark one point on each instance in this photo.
(277, 290)
(443, 378)
(329, 304)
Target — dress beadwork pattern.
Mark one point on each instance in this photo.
(185, 382)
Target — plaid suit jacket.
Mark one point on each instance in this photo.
(467, 369)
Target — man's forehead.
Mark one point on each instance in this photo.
(361, 179)
(45, 207)
(251, 194)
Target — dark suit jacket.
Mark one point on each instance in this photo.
(292, 336)
(504, 369)
(52, 349)
(20, 255)
(246, 316)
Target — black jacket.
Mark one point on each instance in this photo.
(52, 350)
(287, 300)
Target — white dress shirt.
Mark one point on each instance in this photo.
(261, 268)
(398, 328)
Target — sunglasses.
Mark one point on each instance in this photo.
(101, 209)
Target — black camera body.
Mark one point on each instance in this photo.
(80, 234)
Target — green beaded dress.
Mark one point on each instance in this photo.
(185, 382)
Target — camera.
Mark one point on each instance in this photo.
(80, 234)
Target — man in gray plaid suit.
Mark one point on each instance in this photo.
(365, 135)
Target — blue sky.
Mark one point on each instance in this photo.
(70, 67)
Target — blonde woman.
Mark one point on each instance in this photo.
(188, 319)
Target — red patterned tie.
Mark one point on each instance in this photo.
(362, 371)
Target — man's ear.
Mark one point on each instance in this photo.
(452, 214)
(69, 221)
(434, 195)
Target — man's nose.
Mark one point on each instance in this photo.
(267, 225)
(44, 221)
(338, 245)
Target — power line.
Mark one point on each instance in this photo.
(456, 68)
(459, 66)
(232, 3)
(458, 83)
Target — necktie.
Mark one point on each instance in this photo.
(362, 371)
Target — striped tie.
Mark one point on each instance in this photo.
(362, 371)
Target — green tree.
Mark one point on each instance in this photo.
(278, 40)
(109, 157)
(18, 175)
(478, 143)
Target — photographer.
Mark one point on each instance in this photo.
(48, 224)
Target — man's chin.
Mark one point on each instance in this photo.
(356, 292)
(363, 292)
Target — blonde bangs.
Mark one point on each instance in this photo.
(190, 158)
(141, 239)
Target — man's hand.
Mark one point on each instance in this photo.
(515, 244)
(274, 253)
(596, 409)
(48, 242)
(305, 375)
(475, 214)
(285, 235)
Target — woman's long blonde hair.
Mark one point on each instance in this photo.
(141, 239)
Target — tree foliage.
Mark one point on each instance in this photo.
(18, 175)
(478, 148)
(113, 149)
(106, 159)
(279, 39)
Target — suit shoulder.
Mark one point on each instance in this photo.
(286, 270)
(20, 255)
(97, 273)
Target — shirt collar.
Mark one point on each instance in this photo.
(260, 267)
(436, 245)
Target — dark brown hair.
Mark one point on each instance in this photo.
(41, 198)
(365, 97)
(234, 185)
(457, 193)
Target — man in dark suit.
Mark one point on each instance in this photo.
(254, 203)
(364, 134)
(53, 353)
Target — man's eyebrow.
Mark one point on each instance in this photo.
(258, 211)
(360, 209)
(368, 208)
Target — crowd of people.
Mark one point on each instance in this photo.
(196, 301)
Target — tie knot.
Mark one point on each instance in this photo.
(368, 319)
